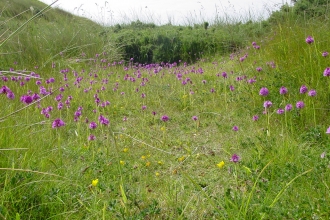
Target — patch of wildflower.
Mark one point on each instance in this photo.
(255, 118)
(283, 90)
(235, 158)
(325, 54)
(288, 107)
(328, 131)
(95, 182)
(221, 164)
(263, 91)
(57, 123)
(326, 72)
(180, 159)
(300, 104)
(280, 111)
(165, 118)
(312, 93)
(268, 104)
(92, 125)
(103, 120)
(27, 99)
(303, 89)
(309, 40)
(91, 137)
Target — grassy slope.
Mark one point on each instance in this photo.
(43, 39)
(148, 168)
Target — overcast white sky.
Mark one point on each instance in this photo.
(165, 11)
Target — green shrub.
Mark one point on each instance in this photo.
(148, 43)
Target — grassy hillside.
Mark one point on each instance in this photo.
(243, 135)
(53, 35)
(57, 32)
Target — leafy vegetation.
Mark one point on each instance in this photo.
(242, 135)
(302, 10)
(148, 43)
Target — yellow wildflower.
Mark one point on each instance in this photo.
(148, 164)
(125, 150)
(221, 164)
(95, 182)
(160, 162)
(180, 159)
(143, 157)
(157, 173)
(122, 162)
(162, 128)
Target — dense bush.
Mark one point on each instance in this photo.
(150, 43)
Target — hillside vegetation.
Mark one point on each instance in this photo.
(53, 35)
(139, 121)
(56, 30)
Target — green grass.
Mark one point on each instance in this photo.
(52, 35)
(152, 169)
